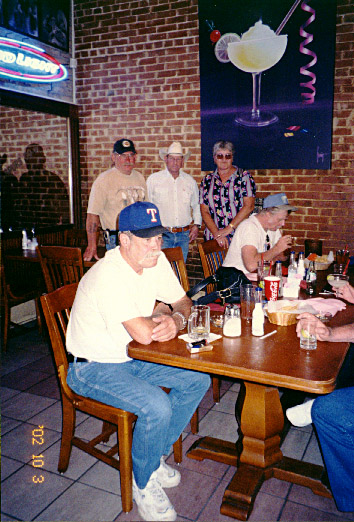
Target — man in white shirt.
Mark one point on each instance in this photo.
(259, 236)
(111, 191)
(115, 303)
(176, 195)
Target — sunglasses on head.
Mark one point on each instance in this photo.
(222, 156)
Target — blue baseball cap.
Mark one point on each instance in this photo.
(279, 201)
(142, 219)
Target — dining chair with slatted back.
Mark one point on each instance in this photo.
(56, 308)
(16, 288)
(212, 256)
(60, 265)
(175, 257)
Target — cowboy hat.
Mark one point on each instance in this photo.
(174, 148)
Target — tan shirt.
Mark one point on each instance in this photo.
(112, 191)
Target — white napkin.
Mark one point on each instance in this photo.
(212, 337)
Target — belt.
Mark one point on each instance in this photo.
(174, 230)
(71, 358)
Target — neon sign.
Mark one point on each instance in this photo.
(22, 61)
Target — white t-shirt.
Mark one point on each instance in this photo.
(249, 232)
(110, 293)
(112, 191)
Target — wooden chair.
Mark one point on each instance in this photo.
(56, 308)
(175, 257)
(212, 256)
(60, 265)
(77, 237)
(17, 288)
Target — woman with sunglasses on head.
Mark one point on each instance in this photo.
(227, 195)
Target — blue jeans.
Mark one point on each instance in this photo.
(333, 417)
(135, 386)
(181, 239)
(113, 242)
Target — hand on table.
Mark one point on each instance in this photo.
(166, 328)
(90, 253)
(322, 331)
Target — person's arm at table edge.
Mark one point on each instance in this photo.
(159, 327)
(92, 225)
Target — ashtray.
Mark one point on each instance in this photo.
(217, 320)
(325, 317)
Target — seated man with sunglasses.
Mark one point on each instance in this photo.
(227, 196)
(260, 235)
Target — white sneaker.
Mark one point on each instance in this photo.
(167, 476)
(300, 415)
(153, 503)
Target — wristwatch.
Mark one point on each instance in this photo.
(184, 320)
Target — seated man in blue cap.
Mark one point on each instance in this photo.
(115, 303)
(259, 236)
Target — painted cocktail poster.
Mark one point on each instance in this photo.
(266, 81)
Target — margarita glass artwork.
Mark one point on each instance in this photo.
(258, 49)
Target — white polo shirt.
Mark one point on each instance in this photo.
(110, 293)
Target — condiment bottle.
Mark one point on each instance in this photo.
(232, 321)
(311, 279)
(301, 265)
(257, 314)
(279, 273)
(292, 269)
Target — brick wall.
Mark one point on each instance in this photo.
(138, 77)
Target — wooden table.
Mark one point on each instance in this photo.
(263, 365)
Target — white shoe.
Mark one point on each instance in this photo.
(153, 503)
(167, 476)
(300, 415)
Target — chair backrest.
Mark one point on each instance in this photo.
(212, 256)
(60, 265)
(56, 308)
(175, 257)
(75, 237)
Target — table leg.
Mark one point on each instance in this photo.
(260, 457)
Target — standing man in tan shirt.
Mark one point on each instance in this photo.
(113, 190)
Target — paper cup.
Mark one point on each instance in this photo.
(271, 287)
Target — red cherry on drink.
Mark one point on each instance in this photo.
(215, 35)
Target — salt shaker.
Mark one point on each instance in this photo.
(232, 321)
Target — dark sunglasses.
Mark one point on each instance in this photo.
(267, 242)
(222, 156)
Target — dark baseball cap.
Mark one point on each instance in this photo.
(142, 219)
(124, 145)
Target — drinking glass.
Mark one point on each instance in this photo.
(247, 302)
(262, 272)
(199, 322)
(337, 281)
(308, 339)
(255, 56)
(342, 257)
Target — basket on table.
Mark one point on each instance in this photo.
(282, 318)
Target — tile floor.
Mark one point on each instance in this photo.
(89, 490)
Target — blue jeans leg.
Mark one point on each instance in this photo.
(134, 386)
(171, 240)
(333, 417)
(112, 242)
